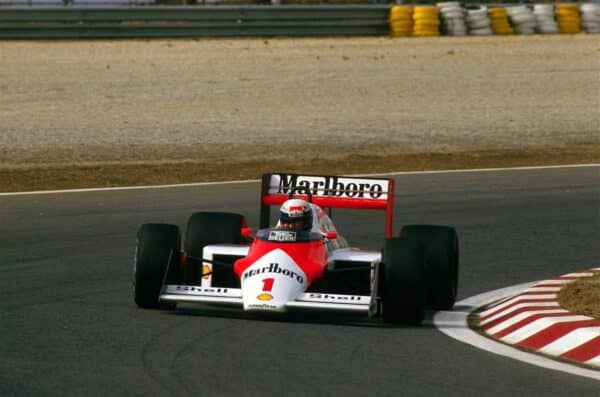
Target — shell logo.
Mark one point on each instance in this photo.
(264, 297)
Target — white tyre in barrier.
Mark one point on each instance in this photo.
(444, 4)
(481, 11)
(480, 24)
(523, 18)
(590, 8)
(543, 8)
(453, 15)
(481, 32)
(524, 31)
(587, 19)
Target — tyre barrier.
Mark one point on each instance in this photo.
(569, 20)
(452, 16)
(426, 21)
(451, 19)
(590, 17)
(544, 18)
(499, 21)
(522, 19)
(401, 23)
(478, 22)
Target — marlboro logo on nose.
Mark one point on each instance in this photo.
(296, 208)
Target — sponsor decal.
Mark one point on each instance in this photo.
(191, 288)
(331, 186)
(276, 235)
(264, 297)
(274, 268)
(206, 269)
(332, 297)
(261, 306)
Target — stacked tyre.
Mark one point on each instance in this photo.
(499, 21)
(544, 17)
(426, 21)
(401, 21)
(453, 18)
(569, 20)
(590, 17)
(522, 19)
(478, 22)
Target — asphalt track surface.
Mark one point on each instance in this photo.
(69, 327)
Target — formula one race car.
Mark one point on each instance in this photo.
(300, 266)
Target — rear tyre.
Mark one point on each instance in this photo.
(157, 252)
(403, 281)
(441, 262)
(205, 228)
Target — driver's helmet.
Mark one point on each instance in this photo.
(295, 214)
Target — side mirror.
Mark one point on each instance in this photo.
(331, 235)
(246, 232)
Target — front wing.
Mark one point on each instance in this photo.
(233, 296)
(207, 293)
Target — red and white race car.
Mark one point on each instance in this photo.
(278, 269)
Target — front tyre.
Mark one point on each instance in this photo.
(403, 282)
(157, 251)
(441, 262)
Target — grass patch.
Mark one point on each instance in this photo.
(582, 296)
(70, 176)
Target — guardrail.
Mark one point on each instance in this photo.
(192, 21)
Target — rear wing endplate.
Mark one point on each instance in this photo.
(329, 192)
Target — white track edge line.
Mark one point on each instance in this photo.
(197, 184)
(454, 324)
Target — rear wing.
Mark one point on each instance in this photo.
(329, 192)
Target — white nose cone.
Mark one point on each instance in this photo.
(271, 282)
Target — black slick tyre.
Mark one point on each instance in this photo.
(402, 283)
(157, 252)
(205, 228)
(441, 262)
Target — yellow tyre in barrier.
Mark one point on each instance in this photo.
(425, 16)
(401, 29)
(567, 6)
(425, 12)
(401, 11)
(567, 13)
(425, 29)
(428, 22)
(425, 34)
(569, 23)
(570, 28)
(569, 20)
(497, 11)
(400, 22)
(503, 32)
(400, 16)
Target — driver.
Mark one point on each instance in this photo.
(295, 214)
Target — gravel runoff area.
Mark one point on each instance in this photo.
(97, 113)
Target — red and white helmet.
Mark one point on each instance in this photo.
(295, 214)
